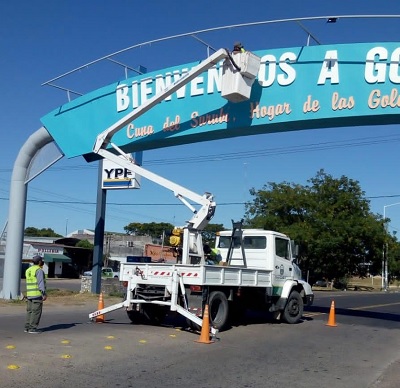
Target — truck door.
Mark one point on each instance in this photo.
(283, 268)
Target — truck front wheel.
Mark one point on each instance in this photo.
(294, 308)
(218, 310)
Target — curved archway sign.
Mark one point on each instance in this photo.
(296, 88)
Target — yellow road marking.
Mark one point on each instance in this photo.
(13, 366)
(373, 306)
(313, 314)
(10, 347)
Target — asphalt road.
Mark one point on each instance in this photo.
(362, 351)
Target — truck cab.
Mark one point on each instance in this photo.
(263, 249)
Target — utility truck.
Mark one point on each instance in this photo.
(257, 270)
(257, 267)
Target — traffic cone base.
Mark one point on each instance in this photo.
(205, 329)
(100, 306)
(332, 319)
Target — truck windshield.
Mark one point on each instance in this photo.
(249, 242)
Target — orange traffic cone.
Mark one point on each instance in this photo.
(332, 319)
(205, 328)
(100, 306)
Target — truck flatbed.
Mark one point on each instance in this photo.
(196, 274)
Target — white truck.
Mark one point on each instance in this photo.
(257, 268)
(257, 271)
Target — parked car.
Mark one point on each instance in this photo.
(106, 272)
(321, 283)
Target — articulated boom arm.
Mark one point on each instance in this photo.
(104, 138)
(200, 218)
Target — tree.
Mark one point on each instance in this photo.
(209, 233)
(45, 232)
(156, 230)
(330, 218)
(152, 229)
(85, 244)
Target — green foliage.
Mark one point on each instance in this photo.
(209, 232)
(329, 218)
(156, 230)
(85, 244)
(153, 229)
(45, 232)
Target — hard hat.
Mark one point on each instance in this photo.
(174, 240)
(37, 259)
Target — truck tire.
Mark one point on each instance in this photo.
(218, 310)
(293, 310)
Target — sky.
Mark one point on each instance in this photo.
(44, 39)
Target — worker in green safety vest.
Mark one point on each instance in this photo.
(211, 256)
(35, 294)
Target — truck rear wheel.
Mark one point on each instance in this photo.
(294, 308)
(218, 310)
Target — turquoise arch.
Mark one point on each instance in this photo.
(296, 88)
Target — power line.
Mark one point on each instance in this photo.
(322, 146)
(116, 203)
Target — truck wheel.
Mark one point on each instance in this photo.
(218, 310)
(294, 308)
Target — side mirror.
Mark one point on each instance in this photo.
(295, 249)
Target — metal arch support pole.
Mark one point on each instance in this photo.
(17, 211)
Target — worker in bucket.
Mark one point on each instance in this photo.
(238, 48)
(35, 294)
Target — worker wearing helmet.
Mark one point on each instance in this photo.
(238, 48)
(35, 294)
(211, 256)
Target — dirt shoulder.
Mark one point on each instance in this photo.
(62, 301)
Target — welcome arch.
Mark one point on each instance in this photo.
(296, 88)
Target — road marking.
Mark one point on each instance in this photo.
(66, 356)
(108, 347)
(313, 314)
(373, 306)
(10, 347)
(13, 366)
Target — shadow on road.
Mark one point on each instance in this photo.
(356, 313)
(61, 326)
